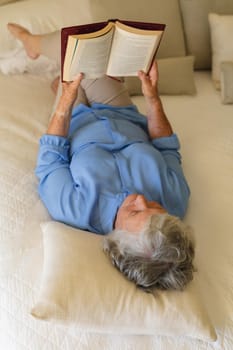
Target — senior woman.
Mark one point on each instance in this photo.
(105, 168)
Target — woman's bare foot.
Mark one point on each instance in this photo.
(31, 42)
(54, 84)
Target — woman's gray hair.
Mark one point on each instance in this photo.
(161, 256)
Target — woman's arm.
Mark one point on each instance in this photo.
(158, 124)
(56, 187)
(60, 122)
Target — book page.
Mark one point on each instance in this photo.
(132, 52)
(70, 49)
(140, 27)
(91, 56)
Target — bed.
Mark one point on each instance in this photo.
(35, 312)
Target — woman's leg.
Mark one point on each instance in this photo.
(49, 46)
(37, 44)
(106, 90)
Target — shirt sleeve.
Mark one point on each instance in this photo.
(57, 188)
(176, 189)
(169, 148)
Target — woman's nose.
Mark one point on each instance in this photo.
(141, 202)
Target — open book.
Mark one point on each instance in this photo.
(115, 48)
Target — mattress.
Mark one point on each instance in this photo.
(205, 128)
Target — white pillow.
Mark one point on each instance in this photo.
(79, 286)
(221, 30)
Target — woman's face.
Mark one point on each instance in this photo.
(134, 213)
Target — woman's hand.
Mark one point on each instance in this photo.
(70, 91)
(60, 122)
(150, 82)
(158, 124)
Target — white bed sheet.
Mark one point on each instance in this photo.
(205, 127)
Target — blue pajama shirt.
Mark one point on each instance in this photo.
(108, 154)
